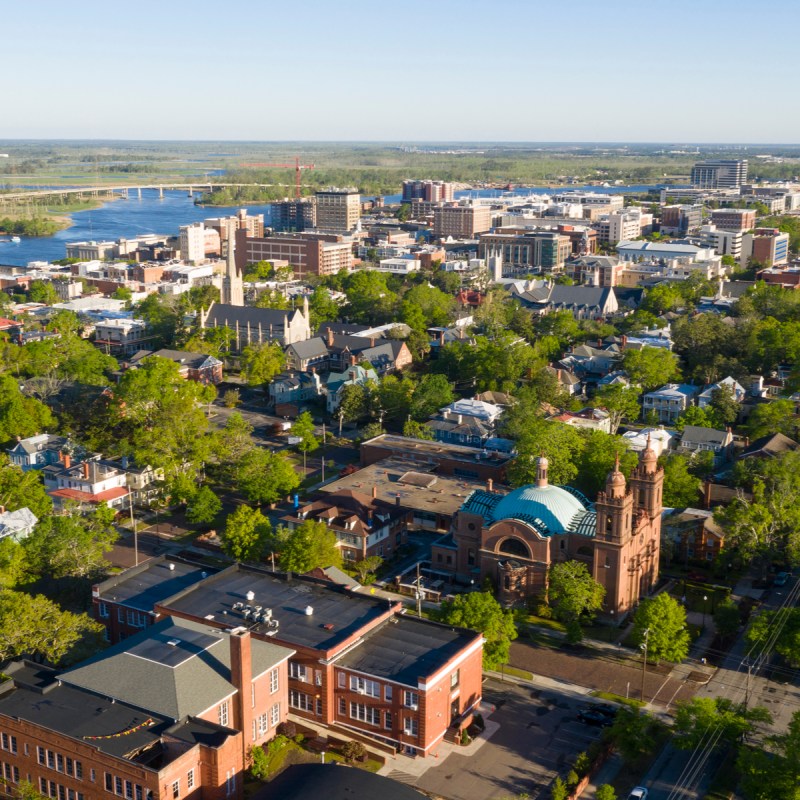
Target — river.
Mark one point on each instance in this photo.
(127, 218)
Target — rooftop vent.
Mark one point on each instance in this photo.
(174, 642)
(309, 610)
(328, 626)
(172, 567)
(251, 595)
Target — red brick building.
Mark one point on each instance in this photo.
(359, 665)
(514, 539)
(170, 714)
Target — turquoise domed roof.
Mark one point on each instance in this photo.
(546, 506)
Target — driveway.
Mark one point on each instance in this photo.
(538, 738)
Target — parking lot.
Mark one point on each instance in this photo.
(539, 737)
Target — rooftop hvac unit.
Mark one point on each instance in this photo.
(251, 595)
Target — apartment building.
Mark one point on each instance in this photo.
(621, 225)
(307, 253)
(681, 220)
(192, 242)
(122, 336)
(358, 664)
(428, 191)
(294, 215)
(461, 220)
(252, 224)
(719, 173)
(737, 220)
(338, 210)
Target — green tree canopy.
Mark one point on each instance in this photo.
(20, 415)
(432, 393)
(20, 489)
(651, 367)
(773, 770)
(266, 477)
(681, 488)
(561, 444)
(665, 619)
(247, 532)
(775, 417)
(203, 507)
(574, 594)
(699, 715)
(597, 457)
(310, 545)
(262, 362)
(479, 611)
(621, 402)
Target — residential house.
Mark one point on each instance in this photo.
(364, 525)
(668, 402)
(91, 481)
(198, 367)
(595, 419)
(355, 375)
(17, 525)
(697, 440)
(123, 336)
(468, 422)
(690, 534)
(568, 381)
(36, 452)
(308, 355)
(729, 384)
(658, 439)
(769, 446)
(392, 355)
(289, 391)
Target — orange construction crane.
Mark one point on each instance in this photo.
(298, 168)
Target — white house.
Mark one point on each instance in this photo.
(705, 397)
(17, 524)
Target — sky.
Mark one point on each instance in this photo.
(438, 70)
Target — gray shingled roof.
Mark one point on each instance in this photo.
(176, 668)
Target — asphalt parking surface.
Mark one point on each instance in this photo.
(538, 738)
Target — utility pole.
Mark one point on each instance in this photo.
(419, 593)
(643, 645)
(749, 666)
(133, 525)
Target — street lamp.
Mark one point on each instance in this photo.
(643, 646)
(705, 601)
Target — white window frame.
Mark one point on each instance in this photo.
(365, 686)
(223, 713)
(411, 699)
(298, 671)
(274, 680)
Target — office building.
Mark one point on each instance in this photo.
(680, 220)
(734, 219)
(620, 225)
(192, 243)
(461, 220)
(521, 252)
(308, 253)
(294, 215)
(766, 246)
(338, 210)
(719, 173)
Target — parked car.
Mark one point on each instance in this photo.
(781, 579)
(591, 716)
(638, 793)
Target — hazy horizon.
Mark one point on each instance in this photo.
(455, 71)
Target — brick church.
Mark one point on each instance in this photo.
(514, 538)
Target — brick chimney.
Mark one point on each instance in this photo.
(490, 485)
(67, 459)
(86, 470)
(330, 338)
(374, 492)
(242, 679)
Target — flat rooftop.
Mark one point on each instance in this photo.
(150, 583)
(418, 485)
(336, 614)
(407, 649)
(423, 448)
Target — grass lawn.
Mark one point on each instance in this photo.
(616, 698)
(543, 622)
(516, 673)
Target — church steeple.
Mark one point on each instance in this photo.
(232, 284)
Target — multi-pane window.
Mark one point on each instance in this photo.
(190, 779)
(273, 681)
(304, 702)
(136, 619)
(262, 724)
(275, 715)
(455, 679)
(410, 726)
(387, 692)
(365, 713)
(297, 671)
(342, 706)
(342, 680)
(387, 720)
(410, 699)
(176, 789)
(364, 686)
(102, 610)
(222, 713)
(9, 743)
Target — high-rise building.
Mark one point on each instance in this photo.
(308, 253)
(294, 215)
(461, 220)
(719, 173)
(192, 242)
(429, 191)
(338, 210)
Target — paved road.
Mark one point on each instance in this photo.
(678, 775)
(539, 736)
